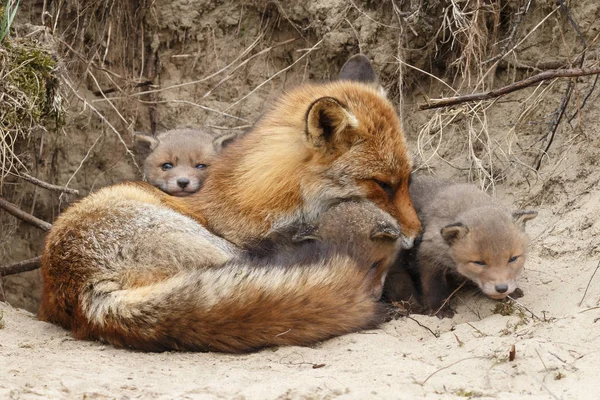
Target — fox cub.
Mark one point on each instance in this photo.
(466, 237)
(177, 161)
(131, 248)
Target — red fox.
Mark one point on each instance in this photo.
(177, 161)
(318, 145)
(154, 295)
(466, 236)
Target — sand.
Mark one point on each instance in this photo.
(556, 341)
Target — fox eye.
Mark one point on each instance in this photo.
(166, 166)
(513, 259)
(386, 187)
(200, 166)
(481, 263)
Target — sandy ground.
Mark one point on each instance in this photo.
(557, 348)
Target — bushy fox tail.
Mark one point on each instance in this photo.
(237, 307)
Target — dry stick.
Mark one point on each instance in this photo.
(246, 61)
(47, 185)
(588, 285)
(276, 74)
(22, 266)
(519, 15)
(519, 304)
(451, 365)
(560, 73)
(560, 112)
(437, 335)
(104, 119)
(559, 115)
(449, 297)
(17, 212)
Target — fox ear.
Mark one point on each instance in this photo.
(358, 68)
(144, 144)
(453, 232)
(326, 120)
(521, 217)
(385, 230)
(224, 140)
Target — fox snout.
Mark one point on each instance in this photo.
(407, 216)
(498, 290)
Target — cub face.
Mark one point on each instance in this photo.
(178, 161)
(490, 250)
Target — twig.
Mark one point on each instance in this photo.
(437, 335)
(588, 285)
(104, 119)
(450, 365)
(17, 212)
(559, 114)
(560, 73)
(519, 15)
(22, 266)
(47, 185)
(525, 308)
(449, 297)
(276, 74)
(540, 357)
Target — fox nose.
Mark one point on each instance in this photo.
(183, 182)
(502, 288)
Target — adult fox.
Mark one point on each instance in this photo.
(319, 145)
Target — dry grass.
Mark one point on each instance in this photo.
(483, 36)
(29, 101)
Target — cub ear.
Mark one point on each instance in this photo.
(144, 144)
(306, 232)
(222, 141)
(326, 120)
(453, 232)
(522, 216)
(385, 230)
(358, 68)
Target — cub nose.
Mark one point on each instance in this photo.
(502, 288)
(183, 182)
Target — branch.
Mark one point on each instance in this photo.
(47, 185)
(22, 266)
(560, 73)
(17, 212)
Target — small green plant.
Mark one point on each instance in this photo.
(7, 15)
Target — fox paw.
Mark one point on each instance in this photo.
(444, 312)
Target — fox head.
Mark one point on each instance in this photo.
(489, 248)
(178, 161)
(318, 145)
(356, 134)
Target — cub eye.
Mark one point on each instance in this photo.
(479, 263)
(200, 166)
(166, 166)
(513, 259)
(386, 187)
